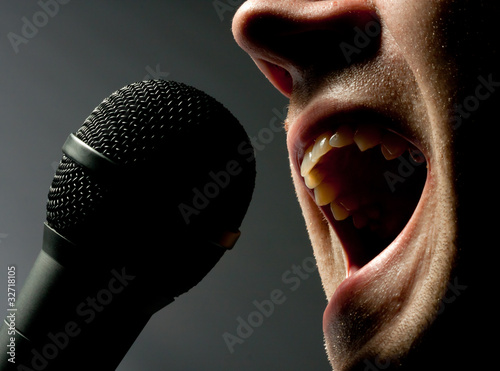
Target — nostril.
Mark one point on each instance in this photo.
(351, 39)
(278, 76)
(306, 37)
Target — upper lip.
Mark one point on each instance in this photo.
(328, 115)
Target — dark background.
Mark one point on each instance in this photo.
(52, 76)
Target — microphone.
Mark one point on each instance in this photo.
(149, 194)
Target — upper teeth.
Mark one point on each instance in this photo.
(328, 190)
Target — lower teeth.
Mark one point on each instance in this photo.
(338, 211)
(417, 156)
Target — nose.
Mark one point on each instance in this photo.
(293, 40)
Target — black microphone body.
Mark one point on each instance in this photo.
(149, 194)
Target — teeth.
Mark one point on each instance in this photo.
(314, 153)
(342, 137)
(321, 147)
(339, 212)
(350, 202)
(314, 178)
(307, 162)
(417, 156)
(393, 146)
(325, 193)
(328, 191)
(367, 136)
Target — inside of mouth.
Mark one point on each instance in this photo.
(367, 181)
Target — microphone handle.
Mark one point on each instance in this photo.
(70, 318)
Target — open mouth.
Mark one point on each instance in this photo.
(367, 179)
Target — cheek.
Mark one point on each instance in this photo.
(419, 30)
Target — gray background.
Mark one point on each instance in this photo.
(80, 54)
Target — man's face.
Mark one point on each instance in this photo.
(389, 100)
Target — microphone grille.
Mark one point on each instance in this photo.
(73, 196)
(143, 117)
(170, 142)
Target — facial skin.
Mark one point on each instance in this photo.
(427, 70)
